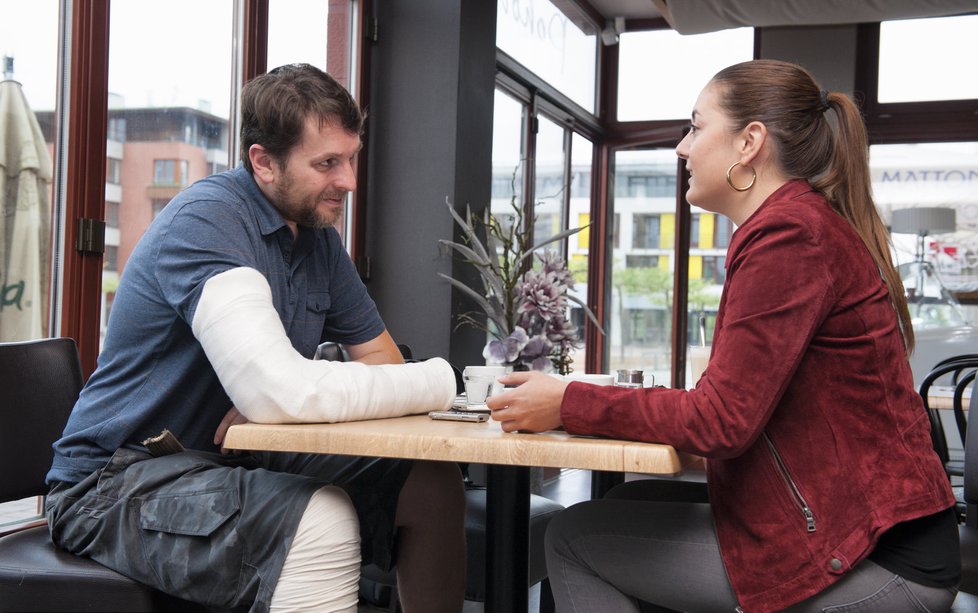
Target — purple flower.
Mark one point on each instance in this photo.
(543, 336)
(506, 350)
(561, 330)
(554, 264)
(537, 353)
(537, 346)
(542, 363)
(542, 295)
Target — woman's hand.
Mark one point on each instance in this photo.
(534, 406)
(233, 417)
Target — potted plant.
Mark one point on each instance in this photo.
(525, 293)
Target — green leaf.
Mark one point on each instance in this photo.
(471, 256)
(556, 237)
(481, 300)
(587, 311)
(468, 229)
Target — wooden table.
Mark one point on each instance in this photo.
(942, 397)
(509, 456)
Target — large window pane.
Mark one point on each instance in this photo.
(640, 326)
(549, 183)
(507, 154)
(314, 32)
(709, 238)
(579, 245)
(297, 32)
(541, 38)
(27, 95)
(508, 165)
(928, 59)
(934, 262)
(557, 200)
(661, 72)
(169, 107)
(29, 35)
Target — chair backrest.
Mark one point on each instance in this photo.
(960, 413)
(954, 367)
(39, 383)
(971, 462)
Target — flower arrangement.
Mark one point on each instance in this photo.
(525, 305)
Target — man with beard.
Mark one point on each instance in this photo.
(216, 321)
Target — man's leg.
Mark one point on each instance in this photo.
(322, 569)
(412, 517)
(202, 527)
(430, 523)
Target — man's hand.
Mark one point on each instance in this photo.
(534, 406)
(233, 417)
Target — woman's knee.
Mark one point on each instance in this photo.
(565, 527)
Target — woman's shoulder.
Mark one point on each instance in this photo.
(797, 207)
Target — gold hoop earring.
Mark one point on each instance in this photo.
(752, 178)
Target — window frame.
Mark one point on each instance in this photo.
(82, 128)
(540, 98)
(906, 122)
(650, 134)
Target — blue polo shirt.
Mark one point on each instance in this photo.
(152, 373)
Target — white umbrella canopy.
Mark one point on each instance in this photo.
(25, 222)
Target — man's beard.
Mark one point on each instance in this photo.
(305, 211)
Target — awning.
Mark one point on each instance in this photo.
(25, 223)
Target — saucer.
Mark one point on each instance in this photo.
(471, 408)
(460, 404)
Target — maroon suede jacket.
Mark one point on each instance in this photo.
(816, 439)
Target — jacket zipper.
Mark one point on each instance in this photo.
(792, 488)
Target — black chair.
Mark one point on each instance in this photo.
(40, 382)
(960, 371)
(967, 599)
(968, 530)
(960, 378)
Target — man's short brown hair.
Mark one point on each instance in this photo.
(275, 106)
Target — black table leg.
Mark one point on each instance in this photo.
(602, 481)
(507, 538)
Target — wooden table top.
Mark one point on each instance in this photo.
(942, 397)
(420, 437)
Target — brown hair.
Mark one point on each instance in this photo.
(275, 105)
(786, 99)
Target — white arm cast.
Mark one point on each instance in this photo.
(269, 382)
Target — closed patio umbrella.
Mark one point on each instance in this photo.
(25, 222)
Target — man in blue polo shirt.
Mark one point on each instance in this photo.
(218, 313)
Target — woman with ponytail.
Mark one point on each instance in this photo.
(824, 491)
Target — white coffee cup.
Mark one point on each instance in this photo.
(593, 379)
(698, 357)
(477, 388)
(482, 382)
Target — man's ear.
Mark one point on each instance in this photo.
(262, 164)
(753, 137)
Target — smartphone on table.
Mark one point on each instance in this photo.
(459, 416)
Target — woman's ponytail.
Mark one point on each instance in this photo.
(848, 186)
